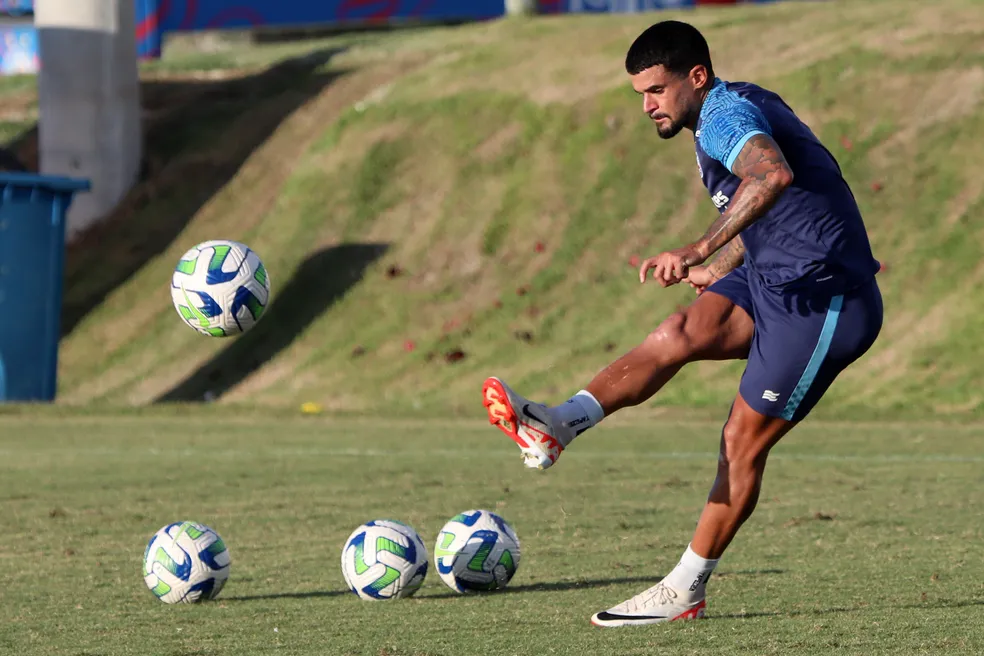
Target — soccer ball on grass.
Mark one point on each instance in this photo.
(186, 562)
(476, 551)
(384, 559)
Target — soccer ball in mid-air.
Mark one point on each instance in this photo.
(186, 562)
(384, 559)
(220, 288)
(476, 551)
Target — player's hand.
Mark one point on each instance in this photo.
(671, 267)
(700, 278)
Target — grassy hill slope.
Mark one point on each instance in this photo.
(437, 206)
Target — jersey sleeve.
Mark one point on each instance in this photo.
(728, 124)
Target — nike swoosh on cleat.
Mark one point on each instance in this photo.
(526, 411)
(607, 617)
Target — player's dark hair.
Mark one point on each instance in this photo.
(675, 45)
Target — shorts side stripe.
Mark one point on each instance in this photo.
(819, 353)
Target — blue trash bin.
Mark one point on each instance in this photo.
(32, 257)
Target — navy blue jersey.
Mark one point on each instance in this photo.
(814, 236)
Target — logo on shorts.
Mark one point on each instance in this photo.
(770, 396)
(719, 199)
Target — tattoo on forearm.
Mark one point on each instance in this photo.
(729, 259)
(765, 174)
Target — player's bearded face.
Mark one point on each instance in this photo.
(668, 99)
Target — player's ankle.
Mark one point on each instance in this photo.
(579, 413)
(689, 577)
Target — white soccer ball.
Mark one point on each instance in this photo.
(220, 288)
(186, 562)
(476, 551)
(384, 559)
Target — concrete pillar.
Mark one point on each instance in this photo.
(89, 96)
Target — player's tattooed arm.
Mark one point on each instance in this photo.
(729, 259)
(764, 174)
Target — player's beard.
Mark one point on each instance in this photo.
(671, 130)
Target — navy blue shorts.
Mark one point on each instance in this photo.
(801, 341)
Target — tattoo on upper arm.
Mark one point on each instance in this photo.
(760, 159)
(765, 174)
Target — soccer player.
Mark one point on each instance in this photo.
(792, 291)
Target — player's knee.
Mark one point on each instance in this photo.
(669, 340)
(739, 450)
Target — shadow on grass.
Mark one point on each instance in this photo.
(581, 584)
(189, 155)
(288, 595)
(556, 586)
(322, 279)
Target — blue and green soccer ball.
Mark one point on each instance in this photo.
(220, 288)
(476, 551)
(186, 562)
(384, 559)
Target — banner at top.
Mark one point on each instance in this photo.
(624, 6)
(174, 15)
(155, 17)
(16, 7)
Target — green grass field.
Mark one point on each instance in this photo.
(867, 539)
(397, 186)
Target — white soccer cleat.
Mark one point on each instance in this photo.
(659, 603)
(528, 424)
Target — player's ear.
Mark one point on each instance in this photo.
(698, 76)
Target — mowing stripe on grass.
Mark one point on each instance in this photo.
(473, 453)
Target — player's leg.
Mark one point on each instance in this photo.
(714, 327)
(778, 391)
(745, 443)
(795, 358)
(746, 440)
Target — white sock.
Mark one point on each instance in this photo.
(689, 577)
(576, 415)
